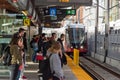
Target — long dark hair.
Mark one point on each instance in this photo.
(15, 40)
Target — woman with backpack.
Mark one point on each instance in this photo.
(16, 47)
(55, 62)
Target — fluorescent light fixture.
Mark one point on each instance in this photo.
(67, 8)
(6, 24)
(25, 13)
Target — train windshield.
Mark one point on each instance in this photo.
(76, 35)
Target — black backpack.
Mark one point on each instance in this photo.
(7, 56)
(45, 68)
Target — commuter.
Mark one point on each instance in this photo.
(42, 47)
(34, 46)
(52, 39)
(25, 48)
(16, 46)
(62, 52)
(55, 63)
(54, 36)
(45, 46)
(21, 33)
(42, 44)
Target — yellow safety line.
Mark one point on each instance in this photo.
(77, 70)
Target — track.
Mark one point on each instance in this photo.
(97, 70)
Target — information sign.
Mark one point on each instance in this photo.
(53, 11)
(26, 22)
(71, 12)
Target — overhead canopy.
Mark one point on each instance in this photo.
(19, 4)
(5, 5)
(42, 5)
(36, 8)
(26, 7)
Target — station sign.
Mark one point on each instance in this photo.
(52, 11)
(55, 12)
(20, 16)
(26, 22)
(71, 12)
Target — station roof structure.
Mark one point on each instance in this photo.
(37, 9)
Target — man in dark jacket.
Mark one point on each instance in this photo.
(41, 48)
(63, 58)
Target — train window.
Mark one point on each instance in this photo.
(75, 35)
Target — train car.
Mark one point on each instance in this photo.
(75, 38)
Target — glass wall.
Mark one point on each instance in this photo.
(8, 25)
(114, 10)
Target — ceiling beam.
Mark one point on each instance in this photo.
(9, 8)
(5, 5)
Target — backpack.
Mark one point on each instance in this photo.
(45, 68)
(7, 56)
(31, 43)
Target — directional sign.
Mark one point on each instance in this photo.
(26, 22)
(71, 12)
(53, 11)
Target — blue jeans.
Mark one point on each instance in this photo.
(14, 68)
(34, 55)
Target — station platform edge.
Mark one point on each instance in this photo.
(79, 73)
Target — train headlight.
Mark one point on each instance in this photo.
(71, 47)
(81, 47)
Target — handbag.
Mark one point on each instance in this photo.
(39, 56)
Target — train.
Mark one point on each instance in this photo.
(76, 38)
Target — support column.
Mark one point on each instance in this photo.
(106, 29)
(96, 26)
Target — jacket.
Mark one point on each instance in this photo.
(16, 54)
(55, 65)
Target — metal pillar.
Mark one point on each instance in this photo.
(96, 26)
(106, 29)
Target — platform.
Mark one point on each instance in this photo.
(71, 71)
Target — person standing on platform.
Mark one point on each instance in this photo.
(62, 52)
(55, 63)
(21, 33)
(34, 46)
(16, 46)
(40, 48)
(52, 39)
(25, 48)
